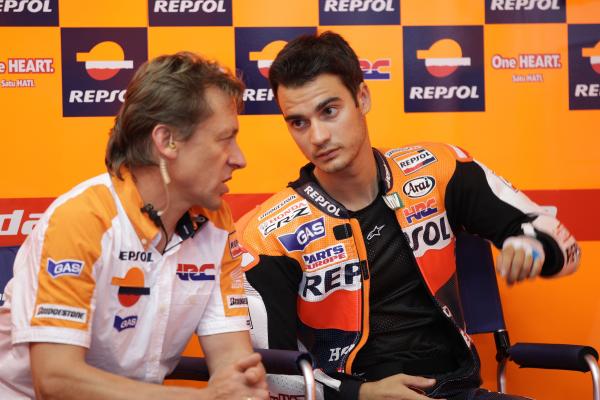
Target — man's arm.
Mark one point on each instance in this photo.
(59, 371)
(532, 242)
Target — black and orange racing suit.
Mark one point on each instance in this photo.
(310, 271)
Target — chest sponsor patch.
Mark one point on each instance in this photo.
(324, 257)
(419, 187)
(414, 161)
(286, 216)
(317, 285)
(305, 234)
(121, 324)
(64, 268)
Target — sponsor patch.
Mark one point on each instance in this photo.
(235, 248)
(431, 234)
(305, 234)
(420, 210)
(192, 272)
(131, 287)
(414, 161)
(405, 149)
(317, 285)
(286, 216)
(237, 301)
(65, 313)
(64, 268)
(324, 257)
(277, 206)
(121, 324)
(324, 203)
(419, 187)
(393, 201)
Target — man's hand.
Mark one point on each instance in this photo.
(396, 387)
(244, 379)
(521, 257)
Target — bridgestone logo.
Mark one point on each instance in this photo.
(237, 301)
(61, 312)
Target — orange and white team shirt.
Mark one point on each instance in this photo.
(89, 275)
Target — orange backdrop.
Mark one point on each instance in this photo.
(531, 127)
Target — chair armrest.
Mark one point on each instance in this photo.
(284, 362)
(552, 356)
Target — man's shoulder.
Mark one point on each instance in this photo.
(422, 149)
(269, 208)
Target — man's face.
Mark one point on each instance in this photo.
(206, 161)
(325, 122)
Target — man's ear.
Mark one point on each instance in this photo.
(363, 96)
(162, 138)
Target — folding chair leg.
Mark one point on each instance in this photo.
(593, 364)
(501, 376)
(309, 379)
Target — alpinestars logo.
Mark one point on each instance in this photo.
(443, 69)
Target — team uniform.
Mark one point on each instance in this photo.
(89, 275)
(372, 293)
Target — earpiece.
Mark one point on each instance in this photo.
(162, 166)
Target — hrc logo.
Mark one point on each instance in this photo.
(420, 210)
(191, 272)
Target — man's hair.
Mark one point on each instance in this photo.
(308, 56)
(170, 90)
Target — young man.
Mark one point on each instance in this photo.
(124, 268)
(355, 259)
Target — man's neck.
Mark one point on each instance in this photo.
(356, 186)
(153, 191)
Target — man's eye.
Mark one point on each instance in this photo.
(330, 111)
(298, 124)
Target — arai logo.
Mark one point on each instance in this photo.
(419, 187)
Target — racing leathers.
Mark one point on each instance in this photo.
(308, 269)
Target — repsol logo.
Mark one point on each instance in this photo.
(189, 6)
(434, 233)
(517, 5)
(143, 256)
(377, 6)
(443, 92)
(315, 286)
(96, 96)
(320, 201)
(191, 272)
(324, 257)
(419, 187)
(29, 6)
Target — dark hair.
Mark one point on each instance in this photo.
(308, 56)
(168, 90)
